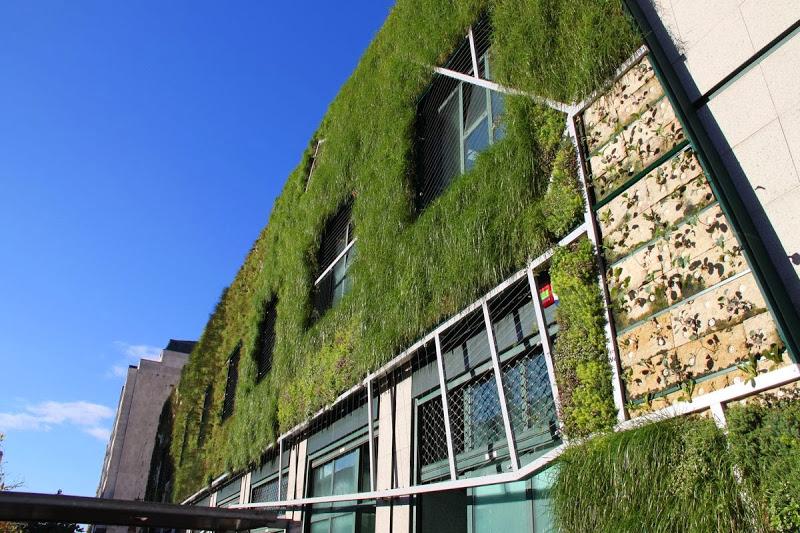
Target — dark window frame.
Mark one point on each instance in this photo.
(231, 381)
(265, 339)
(334, 259)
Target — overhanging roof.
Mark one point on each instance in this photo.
(28, 506)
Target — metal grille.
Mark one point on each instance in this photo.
(265, 342)
(285, 485)
(432, 442)
(203, 429)
(268, 492)
(476, 420)
(530, 400)
(337, 235)
(230, 383)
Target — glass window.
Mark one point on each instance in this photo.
(457, 121)
(335, 258)
(343, 475)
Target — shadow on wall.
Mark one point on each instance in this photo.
(784, 260)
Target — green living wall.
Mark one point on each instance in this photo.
(412, 269)
(680, 475)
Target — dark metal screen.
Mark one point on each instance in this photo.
(476, 417)
(265, 341)
(202, 430)
(268, 492)
(338, 233)
(230, 383)
(431, 439)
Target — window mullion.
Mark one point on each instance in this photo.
(462, 136)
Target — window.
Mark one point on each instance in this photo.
(457, 119)
(476, 420)
(346, 474)
(201, 432)
(268, 491)
(336, 253)
(230, 383)
(265, 340)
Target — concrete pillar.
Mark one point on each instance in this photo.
(394, 457)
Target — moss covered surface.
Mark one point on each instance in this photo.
(411, 269)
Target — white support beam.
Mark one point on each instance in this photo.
(501, 393)
(762, 383)
(370, 431)
(451, 457)
(280, 467)
(464, 483)
(333, 263)
(547, 345)
(718, 412)
(473, 53)
(492, 86)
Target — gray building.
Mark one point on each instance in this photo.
(130, 447)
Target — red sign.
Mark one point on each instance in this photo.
(546, 295)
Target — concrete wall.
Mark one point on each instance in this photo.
(754, 120)
(130, 448)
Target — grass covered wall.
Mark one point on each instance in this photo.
(686, 475)
(412, 269)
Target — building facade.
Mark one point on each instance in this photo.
(147, 386)
(524, 227)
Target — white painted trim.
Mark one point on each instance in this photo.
(763, 382)
(501, 393)
(464, 483)
(473, 52)
(451, 456)
(718, 412)
(547, 347)
(333, 263)
(280, 467)
(371, 436)
(409, 352)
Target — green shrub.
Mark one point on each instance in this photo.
(671, 476)
(765, 444)
(581, 361)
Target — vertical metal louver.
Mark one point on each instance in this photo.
(336, 253)
(201, 432)
(230, 383)
(456, 119)
(265, 341)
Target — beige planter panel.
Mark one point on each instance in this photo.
(762, 336)
(624, 101)
(694, 273)
(729, 304)
(652, 338)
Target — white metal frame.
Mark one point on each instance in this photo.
(451, 456)
(501, 393)
(335, 261)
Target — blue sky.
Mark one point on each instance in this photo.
(141, 147)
